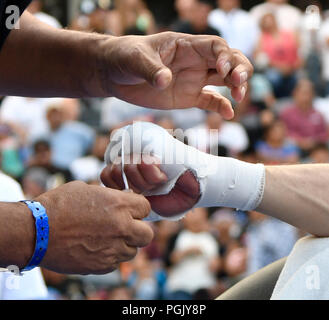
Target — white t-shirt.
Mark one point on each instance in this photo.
(193, 273)
(30, 113)
(237, 28)
(288, 17)
(87, 168)
(31, 285)
(231, 135)
(323, 39)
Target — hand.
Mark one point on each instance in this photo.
(169, 71)
(92, 228)
(147, 176)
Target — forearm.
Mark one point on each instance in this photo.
(298, 195)
(38, 60)
(17, 234)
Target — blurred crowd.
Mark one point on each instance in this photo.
(284, 119)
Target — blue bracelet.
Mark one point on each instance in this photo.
(42, 233)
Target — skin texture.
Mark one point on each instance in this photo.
(295, 194)
(150, 71)
(92, 229)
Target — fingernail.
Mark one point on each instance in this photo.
(226, 68)
(243, 77)
(243, 93)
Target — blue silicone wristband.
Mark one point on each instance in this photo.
(42, 233)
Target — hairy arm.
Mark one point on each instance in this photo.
(38, 60)
(17, 234)
(151, 71)
(298, 195)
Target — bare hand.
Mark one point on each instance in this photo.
(170, 70)
(93, 229)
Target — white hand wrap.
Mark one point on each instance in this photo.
(224, 182)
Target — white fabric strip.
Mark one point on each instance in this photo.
(224, 182)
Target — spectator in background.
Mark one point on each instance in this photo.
(306, 126)
(287, 16)
(42, 158)
(235, 25)
(267, 240)
(92, 17)
(12, 149)
(120, 292)
(277, 51)
(164, 232)
(35, 182)
(184, 8)
(214, 132)
(256, 111)
(131, 17)
(195, 252)
(197, 22)
(276, 148)
(147, 279)
(88, 168)
(69, 140)
(117, 113)
(320, 154)
(36, 8)
(324, 46)
(28, 113)
(228, 231)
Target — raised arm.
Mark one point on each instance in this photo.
(165, 71)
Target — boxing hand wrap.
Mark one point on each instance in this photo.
(224, 182)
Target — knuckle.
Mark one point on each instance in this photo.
(148, 237)
(77, 184)
(145, 205)
(137, 51)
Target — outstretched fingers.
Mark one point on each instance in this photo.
(213, 101)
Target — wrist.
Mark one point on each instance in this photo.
(42, 233)
(101, 48)
(232, 183)
(17, 235)
(224, 182)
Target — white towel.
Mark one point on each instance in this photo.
(305, 275)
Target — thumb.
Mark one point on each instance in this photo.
(151, 69)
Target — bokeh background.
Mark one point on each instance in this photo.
(283, 120)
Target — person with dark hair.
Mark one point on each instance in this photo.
(41, 158)
(320, 153)
(235, 25)
(305, 125)
(288, 16)
(197, 22)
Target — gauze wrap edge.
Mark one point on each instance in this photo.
(224, 182)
